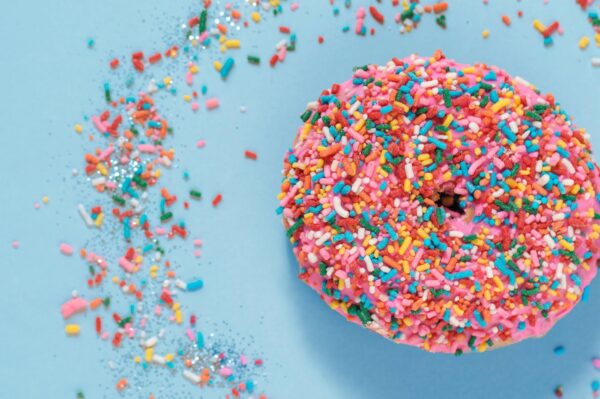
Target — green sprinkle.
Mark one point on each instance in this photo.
(322, 269)
(306, 115)
(118, 200)
(195, 194)
(254, 60)
(295, 227)
(367, 150)
(202, 23)
(447, 99)
(166, 216)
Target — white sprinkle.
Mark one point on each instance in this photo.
(474, 127)
(180, 284)
(191, 376)
(409, 170)
(356, 185)
(98, 181)
(558, 216)
(498, 193)
(369, 263)
(568, 165)
(337, 206)
(596, 62)
(323, 238)
(312, 258)
(150, 342)
(542, 181)
(549, 241)
(429, 83)
(455, 233)
(354, 107)
(84, 215)
(158, 359)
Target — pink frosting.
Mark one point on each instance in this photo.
(371, 169)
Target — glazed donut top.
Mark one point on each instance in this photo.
(446, 206)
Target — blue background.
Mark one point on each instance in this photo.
(50, 80)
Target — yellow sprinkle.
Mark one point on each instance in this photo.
(584, 42)
(137, 359)
(448, 120)
(485, 33)
(187, 98)
(405, 245)
(499, 284)
(45, 199)
(148, 354)
(567, 245)
(217, 66)
(359, 125)
(538, 26)
(255, 17)
(571, 297)
(72, 329)
(500, 104)
(78, 128)
(232, 43)
(169, 357)
(99, 220)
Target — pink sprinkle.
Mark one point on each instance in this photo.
(195, 106)
(16, 244)
(212, 103)
(197, 253)
(201, 144)
(105, 335)
(189, 78)
(147, 148)
(243, 360)
(157, 310)
(596, 363)
(190, 334)
(66, 249)
(225, 371)
(72, 307)
(203, 37)
(294, 6)
(197, 242)
(160, 231)
(126, 265)
(36, 205)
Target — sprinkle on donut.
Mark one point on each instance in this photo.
(445, 206)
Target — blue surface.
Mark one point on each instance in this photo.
(50, 81)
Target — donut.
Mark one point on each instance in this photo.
(446, 206)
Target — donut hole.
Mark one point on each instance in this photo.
(450, 202)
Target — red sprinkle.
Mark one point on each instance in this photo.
(320, 39)
(250, 155)
(217, 200)
(377, 16)
(284, 29)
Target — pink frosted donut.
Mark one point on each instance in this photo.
(445, 206)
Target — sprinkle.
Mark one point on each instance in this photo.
(66, 249)
(212, 103)
(217, 200)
